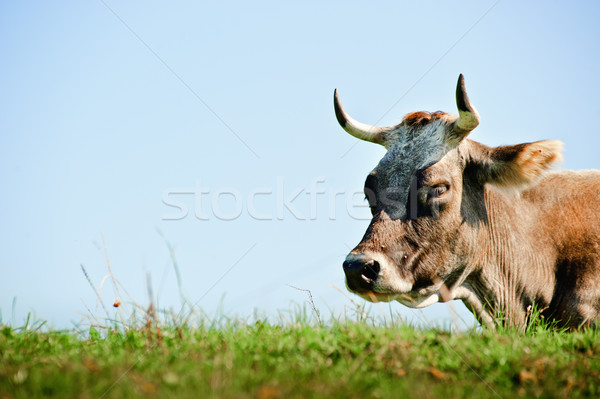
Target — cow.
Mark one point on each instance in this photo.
(455, 219)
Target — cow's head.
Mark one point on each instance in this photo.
(427, 200)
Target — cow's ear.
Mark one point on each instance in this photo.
(517, 166)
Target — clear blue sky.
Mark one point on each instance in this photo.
(108, 108)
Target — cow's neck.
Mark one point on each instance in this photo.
(509, 272)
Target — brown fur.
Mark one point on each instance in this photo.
(421, 118)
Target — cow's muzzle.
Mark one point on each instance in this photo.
(361, 272)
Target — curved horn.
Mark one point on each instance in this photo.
(374, 134)
(468, 118)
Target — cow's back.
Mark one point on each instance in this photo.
(568, 204)
(568, 209)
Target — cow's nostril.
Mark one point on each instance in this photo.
(370, 271)
(361, 272)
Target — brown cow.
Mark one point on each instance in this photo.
(456, 219)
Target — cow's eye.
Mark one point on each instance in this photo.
(438, 190)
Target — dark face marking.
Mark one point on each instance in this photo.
(421, 143)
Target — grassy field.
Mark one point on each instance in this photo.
(353, 359)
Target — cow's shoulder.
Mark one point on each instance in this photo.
(568, 183)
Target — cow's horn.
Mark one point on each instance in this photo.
(374, 134)
(468, 118)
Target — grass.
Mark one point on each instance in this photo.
(346, 359)
(140, 351)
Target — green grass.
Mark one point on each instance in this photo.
(345, 359)
(139, 351)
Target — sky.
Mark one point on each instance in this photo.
(128, 128)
